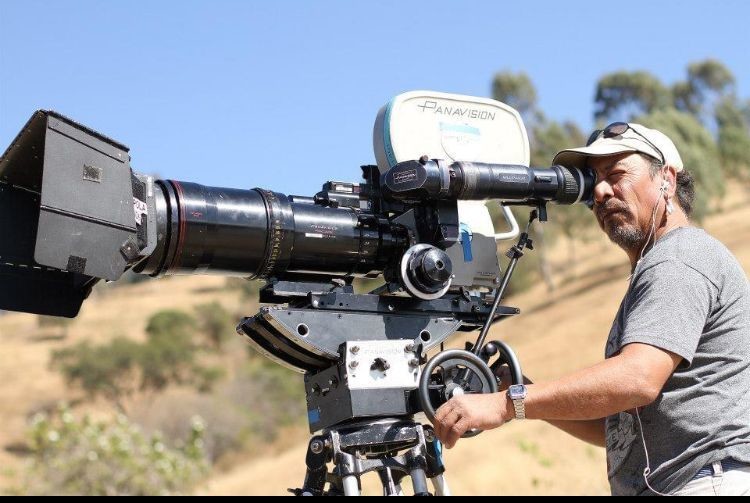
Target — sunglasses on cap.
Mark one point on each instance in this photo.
(618, 129)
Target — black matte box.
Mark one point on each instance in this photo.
(66, 210)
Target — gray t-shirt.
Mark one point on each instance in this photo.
(690, 296)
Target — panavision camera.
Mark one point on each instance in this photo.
(72, 212)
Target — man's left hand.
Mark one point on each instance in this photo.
(466, 412)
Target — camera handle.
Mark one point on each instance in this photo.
(511, 219)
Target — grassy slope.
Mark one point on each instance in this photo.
(550, 338)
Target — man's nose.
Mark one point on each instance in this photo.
(602, 191)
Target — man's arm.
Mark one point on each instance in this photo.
(631, 379)
(591, 431)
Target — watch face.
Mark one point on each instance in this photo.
(517, 391)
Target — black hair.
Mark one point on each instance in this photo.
(685, 184)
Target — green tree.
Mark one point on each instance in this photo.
(698, 151)
(120, 368)
(215, 323)
(169, 353)
(707, 82)
(516, 90)
(733, 138)
(171, 356)
(625, 94)
(108, 370)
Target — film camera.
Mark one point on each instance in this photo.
(72, 213)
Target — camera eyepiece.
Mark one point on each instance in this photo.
(436, 180)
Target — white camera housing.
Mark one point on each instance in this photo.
(452, 127)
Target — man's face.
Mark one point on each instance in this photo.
(624, 198)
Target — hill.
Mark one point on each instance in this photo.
(555, 333)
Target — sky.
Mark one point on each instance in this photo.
(283, 95)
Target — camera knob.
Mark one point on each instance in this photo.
(436, 267)
(426, 271)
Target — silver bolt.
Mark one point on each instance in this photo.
(409, 348)
(354, 350)
(413, 362)
(353, 364)
(496, 281)
(315, 303)
(391, 308)
(316, 446)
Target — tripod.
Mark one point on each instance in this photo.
(394, 448)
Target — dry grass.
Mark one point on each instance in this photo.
(555, 334)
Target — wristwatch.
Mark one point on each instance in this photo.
(516, 393)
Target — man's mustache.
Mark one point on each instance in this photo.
(609, 206)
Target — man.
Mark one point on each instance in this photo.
(671, 400)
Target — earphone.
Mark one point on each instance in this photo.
(664, 187)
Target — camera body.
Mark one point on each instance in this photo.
(74, 212)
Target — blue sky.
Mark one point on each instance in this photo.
(283, 94)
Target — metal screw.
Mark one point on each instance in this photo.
(413, 362)
(315, 303)
(353, 364)
(496, 281)
(354, 350)
(409, 348)
(316, 446)
(391, 308)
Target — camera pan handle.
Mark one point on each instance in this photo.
(473, 361)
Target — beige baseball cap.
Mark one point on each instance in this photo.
(621, 137)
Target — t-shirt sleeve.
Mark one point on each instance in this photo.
(669, 304)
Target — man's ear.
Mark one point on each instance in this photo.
(669, 174)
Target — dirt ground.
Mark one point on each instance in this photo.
(555, 333)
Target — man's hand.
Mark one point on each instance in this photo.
(466, 412)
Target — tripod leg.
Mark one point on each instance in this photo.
(419, 480)
(441, 486)
(435, 467)
(389, 485)
(351, 485)
(315, 478)
(346, 468)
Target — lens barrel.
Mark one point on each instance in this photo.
(261, 234)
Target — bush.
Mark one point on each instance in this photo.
(216, 324)
(107, 370)
(272, 395)
(72, 457)
(248, 289)
(118, 369)
(54, 322)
